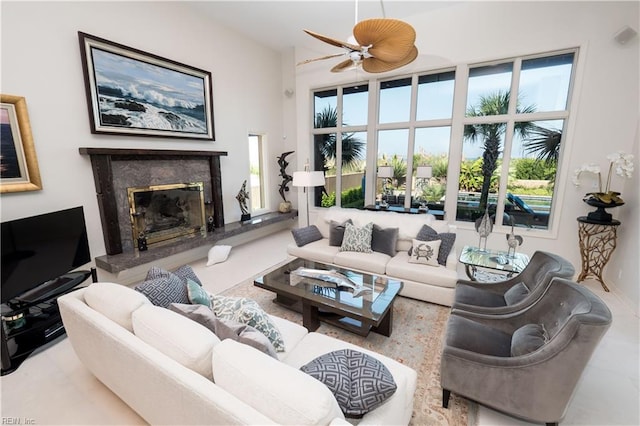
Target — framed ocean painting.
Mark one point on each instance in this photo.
(19, 169)
(135, 93)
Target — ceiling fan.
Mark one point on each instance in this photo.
(383, 45)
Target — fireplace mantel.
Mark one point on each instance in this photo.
(102, 163)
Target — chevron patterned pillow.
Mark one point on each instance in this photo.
(359, 382)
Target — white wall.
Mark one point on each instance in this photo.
(604, 114)
(41, 61)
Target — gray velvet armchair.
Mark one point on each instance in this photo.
(516, 293)
(526, 363)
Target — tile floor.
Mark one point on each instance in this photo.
(52, 386)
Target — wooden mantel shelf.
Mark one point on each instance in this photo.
(123, 261)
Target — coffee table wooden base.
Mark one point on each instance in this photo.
(312, 316)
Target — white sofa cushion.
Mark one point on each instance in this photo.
(373, 262)
(320, 251)
(399, 267)
(115, 301)
(176, 336)
(284, 394)
(292, 334)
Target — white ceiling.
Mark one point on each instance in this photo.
(279, 24)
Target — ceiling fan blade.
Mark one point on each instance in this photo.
(333, 41)
(344, 66)
(321, 58)
(375, 65)
(390, 39)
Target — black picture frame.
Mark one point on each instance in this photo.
(135, 93)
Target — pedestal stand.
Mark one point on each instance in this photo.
(597, 243)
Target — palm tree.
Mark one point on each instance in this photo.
(545, 143)
(352, 147)
(491, 134)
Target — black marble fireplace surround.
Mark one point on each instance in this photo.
(115, 170)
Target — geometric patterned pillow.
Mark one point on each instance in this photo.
(357, 239)
(164, 290)
(359, 382)
(248, 311)
(186, 272)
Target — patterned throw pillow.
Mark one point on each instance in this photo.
(247, 311)
(185, 272)
(306, 235)
(357, 239)
(425, 252)
(359, 382)
(197, 294)
(226, 328)
(336, 232)
(448, 239)
(164, 290)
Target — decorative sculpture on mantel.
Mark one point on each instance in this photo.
(285, 206)
(513, 241)
(242, 198)
(484, 226)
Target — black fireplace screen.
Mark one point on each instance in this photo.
(162, 213)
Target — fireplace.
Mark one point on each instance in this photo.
(162, 213)
(116, 171)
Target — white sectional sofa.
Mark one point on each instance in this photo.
(172, 370)
(435, 284)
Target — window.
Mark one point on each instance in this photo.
(514, 121)
(343, 163)
(256, 193)
(509, 126)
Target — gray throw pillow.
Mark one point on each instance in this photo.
(359, 381)
(306, 235)
(516, 294)
(527, 339)
(448, 239)
(185, 273)
(336, 232)
(226, 329)
(164, 290)
(383, 240)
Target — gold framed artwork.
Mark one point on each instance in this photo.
(18, 162)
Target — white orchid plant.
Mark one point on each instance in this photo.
(620, 163)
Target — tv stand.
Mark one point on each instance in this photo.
(32, 319)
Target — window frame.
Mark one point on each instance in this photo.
(456, 123)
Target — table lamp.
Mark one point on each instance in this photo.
(384, 172)
(423, 172)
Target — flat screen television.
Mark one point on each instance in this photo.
(38, 250)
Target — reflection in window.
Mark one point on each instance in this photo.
(395, 101)
(431, 148)
(354, 105)
(544, 82)
(486, 81)
(392, 151)
(435, 96)
(325, 108)
(480, 170)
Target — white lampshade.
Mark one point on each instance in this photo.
(385, 171)
(308, 179)
(424, 172)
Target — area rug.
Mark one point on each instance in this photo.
(416, 341)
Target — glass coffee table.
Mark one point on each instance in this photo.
(474, 257)
(317, 301)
